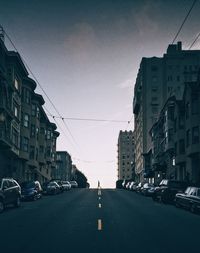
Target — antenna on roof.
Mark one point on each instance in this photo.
(2, 33)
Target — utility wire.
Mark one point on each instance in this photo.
(88, 119)
(197, 37)
(29, 69)
(179, 30)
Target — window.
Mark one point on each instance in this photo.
(32, 130)
(195, 135)
(37, 112)
(37, 133)
(16, 83)
(48, 134)
(15, 137)
(154, 88)
(181, 146)
(188, 133)
(25, 142)
(33, 110)
(26, 120)
(26, 96)
(16, 109)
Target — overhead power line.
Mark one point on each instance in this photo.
(186, 17)
(49, 99)
(89, 119)
(195, 40)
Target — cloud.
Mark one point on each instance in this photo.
(81, 43)
(144, 18)
(127, 84)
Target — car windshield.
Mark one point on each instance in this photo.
(28, 185)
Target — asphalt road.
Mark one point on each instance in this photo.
(98, 221)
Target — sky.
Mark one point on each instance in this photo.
(86, 55)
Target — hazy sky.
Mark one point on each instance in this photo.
(86, 55)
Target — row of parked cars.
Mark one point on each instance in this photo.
(169, 191)
(11, 192)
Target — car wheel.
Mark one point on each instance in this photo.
(35, 197)
(1, 206)
(17, 202)
(193, 208)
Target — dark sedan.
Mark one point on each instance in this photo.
(51, 188)
(190, 199)
(31, 190)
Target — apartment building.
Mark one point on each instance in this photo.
(27, 137)
(63, 165)
(158, 79)
(126, 168)
(176, 137)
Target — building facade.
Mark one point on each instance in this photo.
(158, 79)
(126, 168)
(63, 166)
(27, 137)
(176, 137)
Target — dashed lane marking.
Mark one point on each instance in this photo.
(99, 224)
(99, 205)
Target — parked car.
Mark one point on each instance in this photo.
(190, 199)
(31, 190)
(167, 190)
(59, 182)
(131, 185)
(128, 185)
(134, 186)
(124, 183)
(145, 190)
(139, 187)
(66, 185)
(51, 188)
(10, 193)
(119, 184)
(74, 184)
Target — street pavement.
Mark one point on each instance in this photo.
(98, 221)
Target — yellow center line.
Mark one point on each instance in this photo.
(99, 224)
